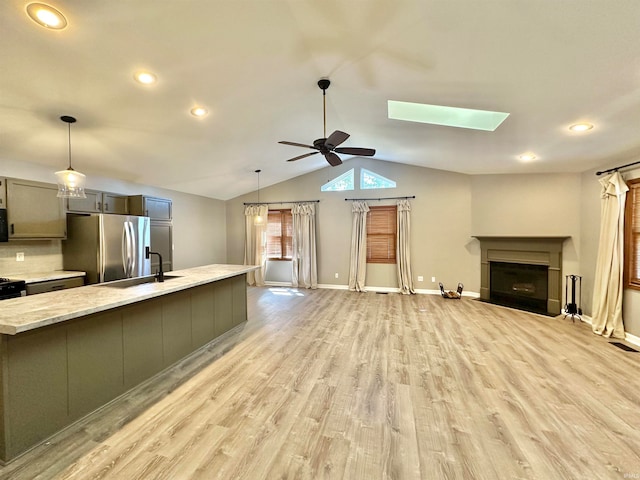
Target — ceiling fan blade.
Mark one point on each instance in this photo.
(294, 144)
(332, 158)
(335, 139)
(363, 152)
(301, 156)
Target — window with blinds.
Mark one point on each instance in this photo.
(381, 234)
(279, 235)
(632, 235)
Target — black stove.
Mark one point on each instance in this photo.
(12, 288)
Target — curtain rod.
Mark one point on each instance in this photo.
(279, 203)
(385, 198)
(617, 168)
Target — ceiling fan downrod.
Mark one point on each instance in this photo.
(324, 83)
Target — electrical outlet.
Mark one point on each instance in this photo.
(337, 275)
(420, 278)
(433, 279)
(19, 256)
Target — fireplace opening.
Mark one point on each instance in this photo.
(519, 285)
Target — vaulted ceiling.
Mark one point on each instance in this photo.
(254, 64)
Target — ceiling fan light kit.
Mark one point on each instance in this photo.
(328, 146)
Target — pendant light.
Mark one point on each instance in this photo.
(258, 220)
(70, 181)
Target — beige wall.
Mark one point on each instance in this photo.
(199, 230)
(441, 236)
(530, 205)
(448, 209)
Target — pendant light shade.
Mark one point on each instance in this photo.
(70, 181)
(258, 220)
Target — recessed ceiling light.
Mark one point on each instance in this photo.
(199, 111)
(46, 16)
(447, 116)
(146, 78)
(580, 127)
(527, 157)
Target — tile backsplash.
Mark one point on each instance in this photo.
(39, 256)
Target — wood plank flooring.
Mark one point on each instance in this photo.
(329, 384)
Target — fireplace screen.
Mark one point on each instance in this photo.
(519, 285)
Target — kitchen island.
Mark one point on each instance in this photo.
(65, 354)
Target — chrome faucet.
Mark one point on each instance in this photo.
(160, 273)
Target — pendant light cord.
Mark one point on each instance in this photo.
(69, 130)
(258, 172)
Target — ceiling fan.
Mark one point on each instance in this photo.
(328, 146)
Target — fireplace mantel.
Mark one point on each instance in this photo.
(560, 238)
(532, 250)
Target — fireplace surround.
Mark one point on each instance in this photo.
(534, 252)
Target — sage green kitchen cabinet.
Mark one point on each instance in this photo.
(161, 235)
(91, 204)
(152, 207)
(114, 203)
(34, 383)
(159, 210)
(34, 211)
(203, 315)
(94, 351)
(99, 202)
(142, 341)
(53, 285)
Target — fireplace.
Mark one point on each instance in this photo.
(519, 285)
(522, 272)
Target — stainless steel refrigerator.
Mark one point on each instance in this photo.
(107, 247)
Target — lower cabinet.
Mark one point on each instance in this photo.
(55, 375)
(53, 285)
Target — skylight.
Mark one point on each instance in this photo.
(339, 184)
(369, 179)
(447, 116)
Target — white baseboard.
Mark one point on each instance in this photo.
(632, 339)
(627, 336)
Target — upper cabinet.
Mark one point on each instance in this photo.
(114, 203)
(34, 210)
(152, 207)
(99, 202)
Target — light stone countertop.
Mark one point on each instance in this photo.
(35, 311)
(35, 277)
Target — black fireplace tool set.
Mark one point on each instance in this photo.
(572, 308)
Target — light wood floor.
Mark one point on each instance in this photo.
(333, 384)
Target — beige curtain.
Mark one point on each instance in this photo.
(403, 254)
(304, 262)
(358, 263)
(608, 283)
(255, 243)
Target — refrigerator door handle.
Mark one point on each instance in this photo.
(102, 256)
(125, 249)
(133, 250)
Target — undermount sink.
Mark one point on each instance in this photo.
(132, 282)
